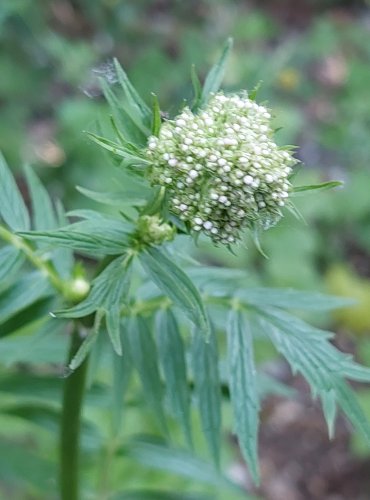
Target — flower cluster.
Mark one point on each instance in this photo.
(221, 167)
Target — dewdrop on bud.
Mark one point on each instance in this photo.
(228, 175)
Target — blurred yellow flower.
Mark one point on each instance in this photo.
(289, 79)
(342, 281)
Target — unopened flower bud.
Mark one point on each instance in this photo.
(152, 230)
(229, 174)
(78, 289)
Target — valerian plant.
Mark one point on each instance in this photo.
(213, 170)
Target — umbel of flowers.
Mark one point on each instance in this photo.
(221, 167)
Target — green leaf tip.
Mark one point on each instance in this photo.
(317, 187)
(243, 389)
(214, 78)
(13, 210)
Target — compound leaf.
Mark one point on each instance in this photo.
(243, 388)
(309, 352)
(43, 215)
(204, 359)
(171, 351)
(143, 353)
(176, 285)
(108, 293)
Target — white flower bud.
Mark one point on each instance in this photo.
(248, 179)
(229, 172)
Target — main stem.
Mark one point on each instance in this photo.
(74, 386)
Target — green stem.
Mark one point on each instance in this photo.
(43, 265)
(74, 386)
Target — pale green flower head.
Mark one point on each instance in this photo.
(221, 167)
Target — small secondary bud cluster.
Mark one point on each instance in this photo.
(152, 230)
(221, 167)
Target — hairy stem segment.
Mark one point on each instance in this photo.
(74, 386)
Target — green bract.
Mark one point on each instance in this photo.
(222, 168)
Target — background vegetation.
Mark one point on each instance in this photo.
(314, 61)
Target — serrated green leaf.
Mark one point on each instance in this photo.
(108, 293)
(117, 149)
(197, 88)
(11, 260)
(176, 285)
(171, 351)
(143, 353)
(212, 276)
(243, 388)
(354, 371)
(12, 207)
(43, 215)
(292, 299)
(216, 74)
(329, 407)
(156, 116)
(122, 368)
(82, 241)
(282, 319)
(309, 351)
(97, 354)
(87, 343)
(63, 257)
(177, 462)
(316, 187)
(28, 289)
(99, 236)
(117, 198)
(89, 215)
(112, 320)
(204, 359)
(138, 110)
(122, 139)
(121, 116)
(349, 404)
